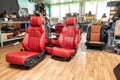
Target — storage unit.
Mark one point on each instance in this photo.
(6, 36)
(112, 12)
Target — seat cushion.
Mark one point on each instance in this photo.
(48, 49)
(19, 57)
(97, 44)
(62, 52)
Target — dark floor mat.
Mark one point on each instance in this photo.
(117, 71)
(84, 48)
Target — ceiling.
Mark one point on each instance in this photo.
(67, 1)
(61, 1)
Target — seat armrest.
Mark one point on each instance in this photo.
(53, 42)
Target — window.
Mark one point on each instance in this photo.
(55, 12)
(100, 9)
(74, 8)
(63, 10)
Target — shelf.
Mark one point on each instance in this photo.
(5, 39)
(112, 14)
(15, 38)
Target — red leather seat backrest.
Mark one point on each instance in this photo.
(68, 35)
(34, 39)
(67, 38)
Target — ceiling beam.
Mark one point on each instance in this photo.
(64, 3)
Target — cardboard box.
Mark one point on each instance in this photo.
(4, 36)
(9, 35)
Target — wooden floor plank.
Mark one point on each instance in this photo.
(86, 65)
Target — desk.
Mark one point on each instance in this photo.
(6, 22)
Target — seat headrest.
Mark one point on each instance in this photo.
(35, 21)
(60, 24)
(71, 21)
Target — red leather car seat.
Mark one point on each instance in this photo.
(33, 44)
(67, 41)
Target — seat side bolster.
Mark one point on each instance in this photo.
(42, 42)
(25, 41)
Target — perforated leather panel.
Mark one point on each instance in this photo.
(67, 38)
(95, 33)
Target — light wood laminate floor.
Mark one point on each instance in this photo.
(86, 65)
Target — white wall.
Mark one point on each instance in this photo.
(31, 8)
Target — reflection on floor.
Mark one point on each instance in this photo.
(86, 65)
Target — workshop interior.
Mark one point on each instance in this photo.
(60, 39)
